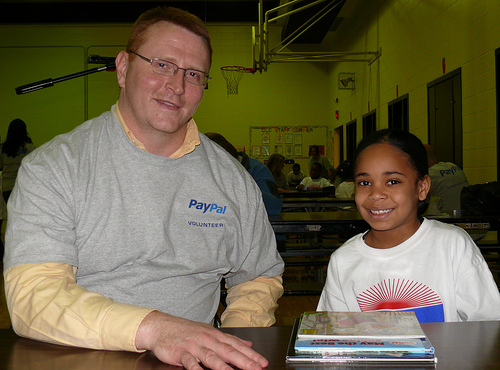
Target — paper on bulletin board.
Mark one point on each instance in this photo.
(291, 141)
(279, 138)
(256, 151)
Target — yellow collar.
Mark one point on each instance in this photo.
(191, 139)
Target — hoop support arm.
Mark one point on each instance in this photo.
(34, 86)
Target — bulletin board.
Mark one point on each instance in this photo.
(293, 142)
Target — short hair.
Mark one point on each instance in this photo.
(296, 165)
(172, 15)
(221, 140)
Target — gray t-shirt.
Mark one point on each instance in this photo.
(141, 229)
(447, 181)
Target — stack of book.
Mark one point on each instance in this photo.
(360, 337)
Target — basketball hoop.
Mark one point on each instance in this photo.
(233, 75)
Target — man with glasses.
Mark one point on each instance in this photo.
(121, 230)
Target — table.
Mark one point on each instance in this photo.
(308, 193)
(342, 222)
(469, 345)
(350, 220)
(317, 204)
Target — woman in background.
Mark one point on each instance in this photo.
(17, 145)
(275, 164)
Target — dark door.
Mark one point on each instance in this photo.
(369, 123)
(338, 143)
(398, 113)
(351, 140)
(445, 117)
(497, 83)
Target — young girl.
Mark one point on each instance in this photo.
(405, 262)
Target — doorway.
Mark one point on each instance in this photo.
(369, 123)
(497, 84)
(351, 139)
(444, 99)
(398, 113)
(338, 146)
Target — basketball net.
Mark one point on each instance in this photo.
(232, 75)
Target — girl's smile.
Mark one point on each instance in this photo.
(380, 211)
(388, 191)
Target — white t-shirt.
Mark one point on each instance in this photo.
(315, 184)
(438, 272)
(293, 178)
(345, 190)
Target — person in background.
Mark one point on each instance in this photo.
(447, 181)
(340, 173)
(295, 176)
(17, 145)
(345, 189)
(275, 164)
(327, 171)
(121, 231)
(3, 216)
(314, 181)
(405, 262)
(257, 170)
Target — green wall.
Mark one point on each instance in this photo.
(415, 36)
(285, 95)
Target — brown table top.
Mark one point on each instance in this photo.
(349, 201)
(324, 217)
(307, 193)
(349, 223)
(469, 345)
(319, 204)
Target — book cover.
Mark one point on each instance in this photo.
(362, 325)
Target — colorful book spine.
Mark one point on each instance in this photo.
(363, 346)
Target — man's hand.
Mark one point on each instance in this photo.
(187, 343)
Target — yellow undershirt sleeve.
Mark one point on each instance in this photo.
(46, 304)
(253, 303)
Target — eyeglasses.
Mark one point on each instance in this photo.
(166, 68)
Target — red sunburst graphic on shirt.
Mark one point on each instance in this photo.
(397, 294)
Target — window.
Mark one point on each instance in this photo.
(369, 123)
(398, 113)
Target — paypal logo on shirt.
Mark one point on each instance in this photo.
(450, 171)
(204, 207)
